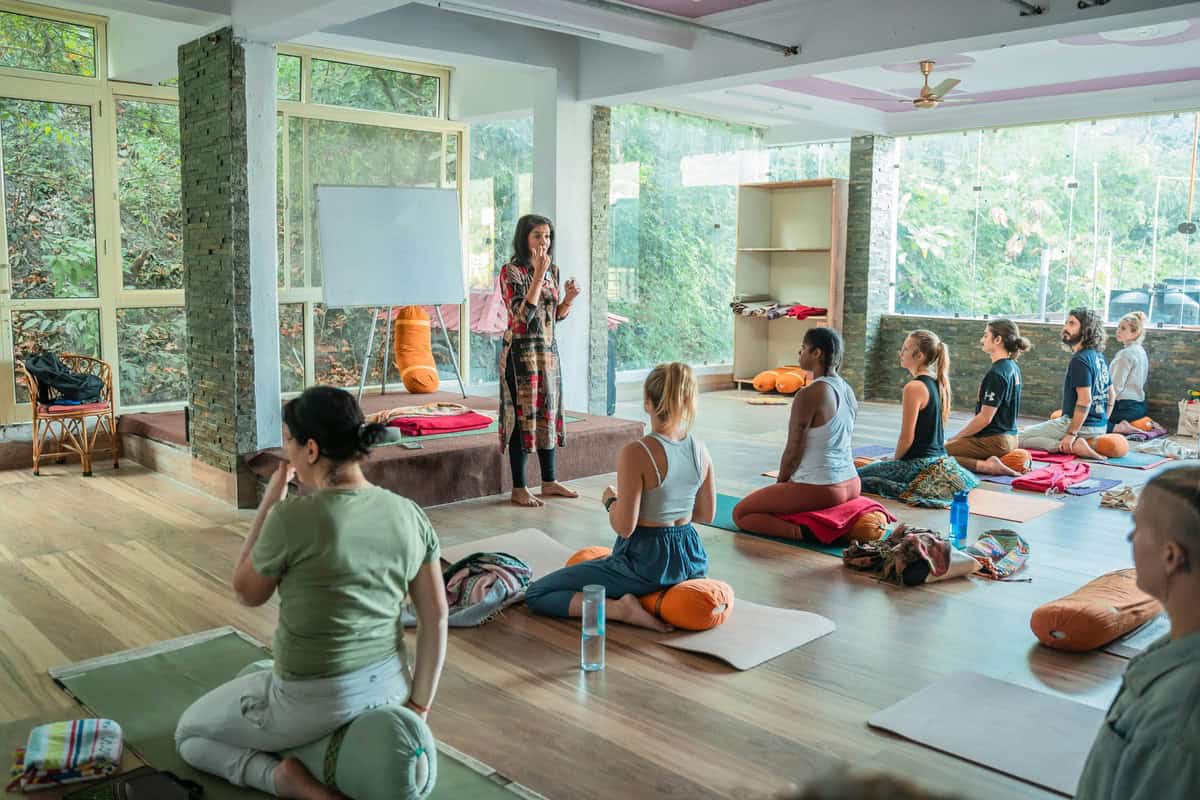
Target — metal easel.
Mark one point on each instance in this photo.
(387, 350)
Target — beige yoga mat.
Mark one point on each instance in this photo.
(539, 551)
(754, 634)
(1030, 735)
(1011, 506)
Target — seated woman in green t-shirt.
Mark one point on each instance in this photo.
(343, 557)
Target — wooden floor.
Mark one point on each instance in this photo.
(127, 558)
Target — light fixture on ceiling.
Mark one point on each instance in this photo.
(516, 19)
(776, 102)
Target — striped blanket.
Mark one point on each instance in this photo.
(67, 752)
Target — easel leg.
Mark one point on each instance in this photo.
(450, 348)
(362, 380)
(387, 349)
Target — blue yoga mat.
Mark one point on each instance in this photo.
(873, 451)
(723, 519)
(1135, 461)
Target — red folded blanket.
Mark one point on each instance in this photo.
(1054, 476)
(830, 524)
(423, 426)
(804, 312)
(1051, 458)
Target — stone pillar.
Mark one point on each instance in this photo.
(598, 301)
(227, 145)
(870, 243)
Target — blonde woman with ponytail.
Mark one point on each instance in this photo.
(1129, 370)
(921, 473)
(664, 484)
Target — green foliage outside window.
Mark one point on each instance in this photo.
(48, 198)
(59, 331)
(992, 222)
(149, 193)
(152, 352)
(374, 88)
(685, 237)
(44, 45)
(287, 77)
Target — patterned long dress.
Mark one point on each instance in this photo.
(529, 341)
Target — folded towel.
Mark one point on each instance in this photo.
(830, 524)
(1051, 458)
(423, 426)
(1053, 477)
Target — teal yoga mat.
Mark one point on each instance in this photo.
(146, 691)
(1135, 461)
(723, 519)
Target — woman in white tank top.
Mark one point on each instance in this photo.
(817, 467)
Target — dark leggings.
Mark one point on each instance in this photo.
(516, 448)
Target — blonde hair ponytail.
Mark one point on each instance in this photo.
(934, 349)
(1137, 321)
(671, 393)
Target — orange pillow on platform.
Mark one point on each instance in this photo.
(695, 605)
(791, 380)
(1094, 614)
(1017, 459)
(1111, 445)
(765, 381)
(414, 350)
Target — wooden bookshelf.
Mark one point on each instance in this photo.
(791, 247)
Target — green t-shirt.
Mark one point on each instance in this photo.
(344, 559)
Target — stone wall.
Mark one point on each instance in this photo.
(1174, 364)
(598, 353)
(212, 132)
(869, 238)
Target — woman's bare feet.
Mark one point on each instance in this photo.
(994, 466)
(293, 780)
(629, 610)
(556, 489)
(522, 497)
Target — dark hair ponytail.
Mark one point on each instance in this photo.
(1010, 337)
(829, 342)
(332, 418)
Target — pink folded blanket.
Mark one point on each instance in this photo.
(830, 524)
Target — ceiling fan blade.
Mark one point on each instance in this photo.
(945, 86)
(957, 100)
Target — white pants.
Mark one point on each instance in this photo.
(235, 730)
(1046, 435)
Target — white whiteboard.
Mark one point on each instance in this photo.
(390, 246)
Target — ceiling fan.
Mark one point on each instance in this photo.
(930, 96)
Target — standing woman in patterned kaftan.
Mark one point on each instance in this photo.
(531, 413)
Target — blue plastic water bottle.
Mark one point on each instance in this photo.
(959, 511)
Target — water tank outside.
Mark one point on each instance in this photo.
(1174, 307)
(1125, 301)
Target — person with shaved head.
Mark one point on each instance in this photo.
(1148, 747)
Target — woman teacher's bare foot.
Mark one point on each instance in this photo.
(629, 610)
(994, 466)
(522, 497)
(293, 780)
(556, 489)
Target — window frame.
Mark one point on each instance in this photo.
(98, 24)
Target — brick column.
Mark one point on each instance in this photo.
(870, 240)
(598, 289)
(227, 147)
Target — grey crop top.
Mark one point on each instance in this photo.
(675, 495)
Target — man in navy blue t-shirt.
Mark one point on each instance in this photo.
(1086, 391)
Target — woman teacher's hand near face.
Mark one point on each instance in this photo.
(540, 259)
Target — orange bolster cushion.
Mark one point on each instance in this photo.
(1143, 424)
(413, 349)
(1095, 614)
(869, 527)
(765, 380)
(1111, 445)
(694, 605)
(791, 380)
(1017, 459)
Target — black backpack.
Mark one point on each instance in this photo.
(52, 373)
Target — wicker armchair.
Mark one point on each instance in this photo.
(62, 430)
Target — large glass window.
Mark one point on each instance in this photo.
(287, 77)
(48, 198)
(673, 220)
(45, 45)
(149, 193)
(501, 191)
(152, 350)
(809, 161)
(1032, 221)
(374, 88)
(74, 331)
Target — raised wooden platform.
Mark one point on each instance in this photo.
(441, 471)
